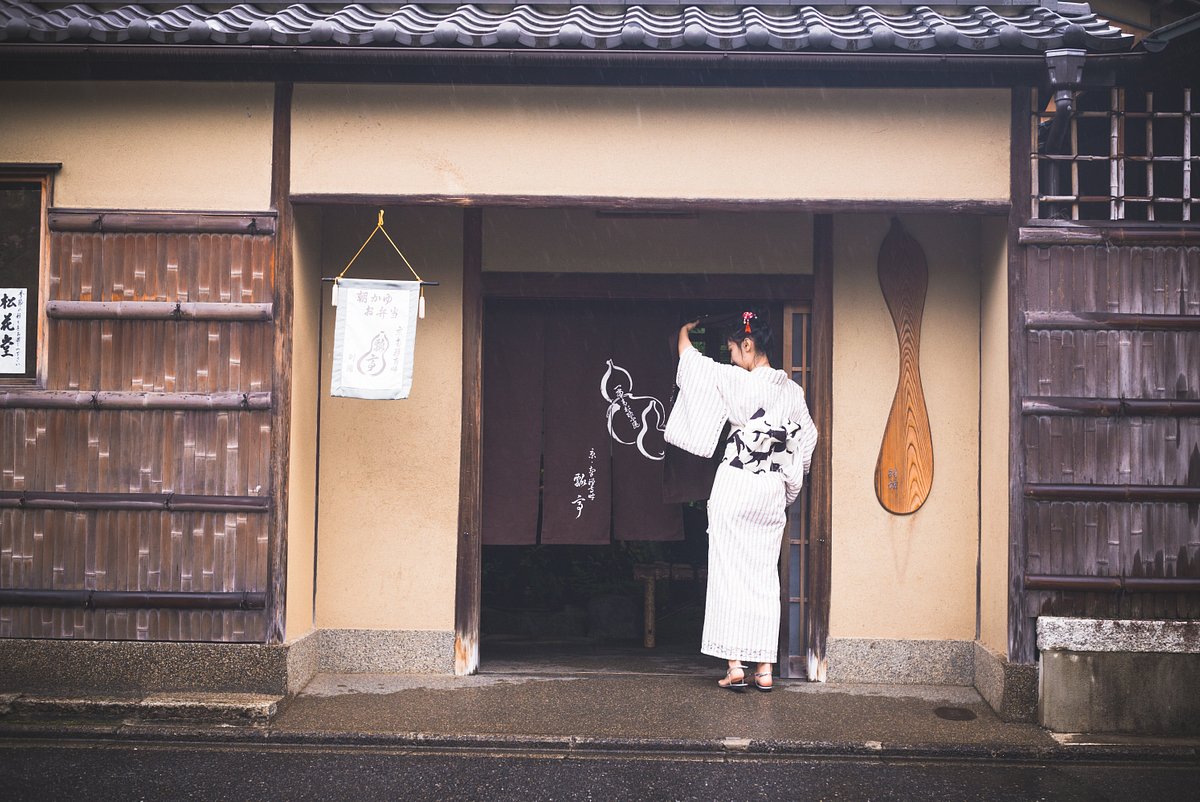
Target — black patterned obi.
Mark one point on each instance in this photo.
(762, 445)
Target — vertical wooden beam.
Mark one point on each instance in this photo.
(470, 485)
(281, 373)
(787, 363)
(1021, 640)
(821, 480)
(42, 344)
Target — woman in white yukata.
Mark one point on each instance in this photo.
(767, 454)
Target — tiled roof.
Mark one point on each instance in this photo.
(1003, 28)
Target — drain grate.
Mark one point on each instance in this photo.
(954, 713)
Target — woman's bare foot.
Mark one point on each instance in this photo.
(735, 677)
(762, 677)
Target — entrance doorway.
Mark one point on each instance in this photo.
(600, 564)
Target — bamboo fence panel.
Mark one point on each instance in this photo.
(160, 267)
(1113, 364)
(190, 452)
(131, 451)
(1112, 445)
(1125, 279)
(138, 551)
(160, 356)
(1116, 450)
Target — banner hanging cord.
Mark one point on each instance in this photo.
(379, 227)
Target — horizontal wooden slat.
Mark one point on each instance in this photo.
(176, 502)
(1157, 234)
(634, 286)
(157, 310)
(670, 205)
(148, 600)
(105, 399)
(1111, 320)
(15, 169)
(1113, 584)
(1147, 407)
(100, 221)
(1070, 492)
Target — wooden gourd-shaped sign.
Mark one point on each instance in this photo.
(904, 471)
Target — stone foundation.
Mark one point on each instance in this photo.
(375, 651)
(1010, 688)
(133, 668)
(1133, 677)
(900, 662)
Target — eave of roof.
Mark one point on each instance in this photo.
(764, 28)
(1173, 35)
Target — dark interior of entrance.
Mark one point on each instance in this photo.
(625, 593)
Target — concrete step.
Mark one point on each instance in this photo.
(232, 709)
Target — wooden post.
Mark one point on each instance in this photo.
(470, 485)
(281, 373)
(1020, 633)
(821, 479)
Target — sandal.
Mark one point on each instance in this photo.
(736, 684)
(765, 688)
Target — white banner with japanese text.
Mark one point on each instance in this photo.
(374, 337)
(13, 302)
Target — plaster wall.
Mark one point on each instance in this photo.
(301, 532)
(581, 240)
(994, 434)
(144, 145)
(388, 518)
(731, 143)
(905, 577)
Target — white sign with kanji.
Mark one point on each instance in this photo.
(13, 302)
(374, 337)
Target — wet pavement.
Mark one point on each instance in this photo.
(578, 703)
(663, 708)
(32, 772)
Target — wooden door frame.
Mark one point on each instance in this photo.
(820, 400)
(816, 289)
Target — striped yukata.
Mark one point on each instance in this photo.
(767, 453)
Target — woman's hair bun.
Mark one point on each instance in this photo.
(751, 323)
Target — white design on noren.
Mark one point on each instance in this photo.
(632, 417)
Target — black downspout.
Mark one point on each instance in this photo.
(1065, 68)
(1066, 72)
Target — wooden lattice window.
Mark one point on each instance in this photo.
(793, 565)
(1127, 154)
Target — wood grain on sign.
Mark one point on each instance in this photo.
(904, 471)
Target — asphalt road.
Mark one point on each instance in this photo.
(82, 770)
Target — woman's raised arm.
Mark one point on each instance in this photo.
(685, 342)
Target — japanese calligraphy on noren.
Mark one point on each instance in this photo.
(12, 329)
(374, 338)
(586, 484)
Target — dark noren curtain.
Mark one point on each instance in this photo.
(687, 477)
(575, 397)
(513, 361)
(577, 494)
(638, 389)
